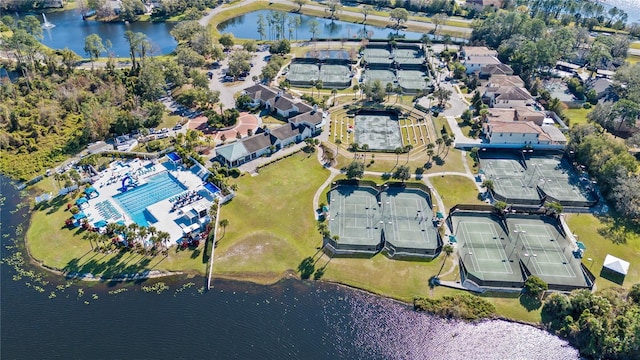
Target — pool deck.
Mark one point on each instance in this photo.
(110, 183)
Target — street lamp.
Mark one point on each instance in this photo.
(591, 261)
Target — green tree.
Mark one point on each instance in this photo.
(334, 7)
(355, 170)
(93, 46)
(402, 172)
(366, 10)
(227, 41)
(443, 95)
(399, 15)
(535, 287)
(300, 3)
(437, 20)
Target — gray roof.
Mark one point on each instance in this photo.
(312, 117)
(262, 92)
(286, 131)
(258, 142)
(600, 85)
(497, 69)
(283, 103)
(232, 152)
(554, 133)
(512, 93)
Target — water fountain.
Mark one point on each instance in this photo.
(47, 24)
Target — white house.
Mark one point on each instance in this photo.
(290, 134)
(477, 51)
(125, 143)
(247, 149)
(515, 133)
(475, 63)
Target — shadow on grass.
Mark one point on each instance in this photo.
(612, 276)
(618, 229)
(531, 303)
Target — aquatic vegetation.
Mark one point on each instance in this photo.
(158, 287)
(118, 291)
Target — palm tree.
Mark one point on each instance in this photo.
(338, 142)
(398, 151)
(408, 148)
(365, 148)
(448, 142)
(163, 237)
(318, 86)
(366, 10)
(439, 142)
(334, 92)
(224, 223)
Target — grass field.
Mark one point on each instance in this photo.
(591, 231)
(271, 224)
(456, 190)
(577, 116)
(54, 245)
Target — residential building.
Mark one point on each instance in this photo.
(480, 5)
(601, 86)
(499, 80)
(517, 114)
(508, 97)
(490, 70)
(477, 51)
(519, 133)
(475, 63)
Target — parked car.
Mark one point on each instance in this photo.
(177, 127)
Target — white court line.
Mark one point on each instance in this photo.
(501, 251)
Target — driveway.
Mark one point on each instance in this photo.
(229, 89)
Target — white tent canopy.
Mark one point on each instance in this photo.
(617, 265)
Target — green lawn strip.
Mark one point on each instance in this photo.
(169, 121)
(635, 45)
(577, 116)
(438, 123)
(589, 229)
(632, 59)
(465, 127)
(456, 190)
(271, 224)
(402, 280)
(56, 246)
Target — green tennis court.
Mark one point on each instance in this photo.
(545, 252)
(354, 216)
(302, 74)
(408, 56)
(335, 75)
(411, 80)
(373, 55)
(408, 219)
(385, 76)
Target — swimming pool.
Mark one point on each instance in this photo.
(157, 188)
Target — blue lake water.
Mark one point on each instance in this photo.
(246, 27)
(52, 319)
(70, 31)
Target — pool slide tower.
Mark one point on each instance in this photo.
(125, 185)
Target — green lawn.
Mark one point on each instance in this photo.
(577, 116)
(456, 190)
(635, 45)
(58, 247)
(271, 224)
(590, 231)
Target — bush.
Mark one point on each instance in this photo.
(586, 105)
(465, 306)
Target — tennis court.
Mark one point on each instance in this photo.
(379, 130)
(515, 188)
(385, 76)
(408, 56)
(502, 167)
(411, 80)
(335, 75)
(374, 55)
(328, 54)
(354, 215)
(545, 252)
(302, 74)
(556, 179)
(407, 217)
(485, 250)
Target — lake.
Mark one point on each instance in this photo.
(70, 31)
(289, 320)
(246, 27)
